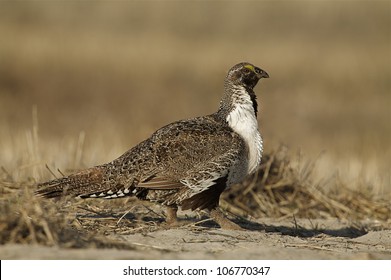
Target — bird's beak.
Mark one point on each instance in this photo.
(264, 74)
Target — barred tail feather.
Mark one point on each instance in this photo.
(79, 184)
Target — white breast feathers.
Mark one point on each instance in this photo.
(243, 121)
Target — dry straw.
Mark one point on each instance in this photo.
(279, 190)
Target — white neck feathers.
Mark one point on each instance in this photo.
(243, 121)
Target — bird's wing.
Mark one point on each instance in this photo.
(192, 154)
(198, 178)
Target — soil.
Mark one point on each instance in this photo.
(260, 239)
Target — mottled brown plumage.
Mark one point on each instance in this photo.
(185, 164)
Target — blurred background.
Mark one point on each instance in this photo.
(80, 83)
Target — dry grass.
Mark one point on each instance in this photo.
(280, 190)
(27, 219)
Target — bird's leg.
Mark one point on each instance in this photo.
(171, 214)
(222, 220)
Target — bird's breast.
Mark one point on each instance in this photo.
(243, 121)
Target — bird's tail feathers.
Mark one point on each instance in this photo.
(79, 184)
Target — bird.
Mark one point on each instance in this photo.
(186, 164)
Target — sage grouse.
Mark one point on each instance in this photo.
(187, 163)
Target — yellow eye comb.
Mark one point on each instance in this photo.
(248, 66)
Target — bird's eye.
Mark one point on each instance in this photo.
(246, 71)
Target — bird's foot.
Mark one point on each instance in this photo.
(223, 221)
(171, 217)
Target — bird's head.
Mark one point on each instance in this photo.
(246, 75)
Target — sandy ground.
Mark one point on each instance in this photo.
(262, 239)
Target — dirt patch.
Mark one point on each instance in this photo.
(303, 239)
